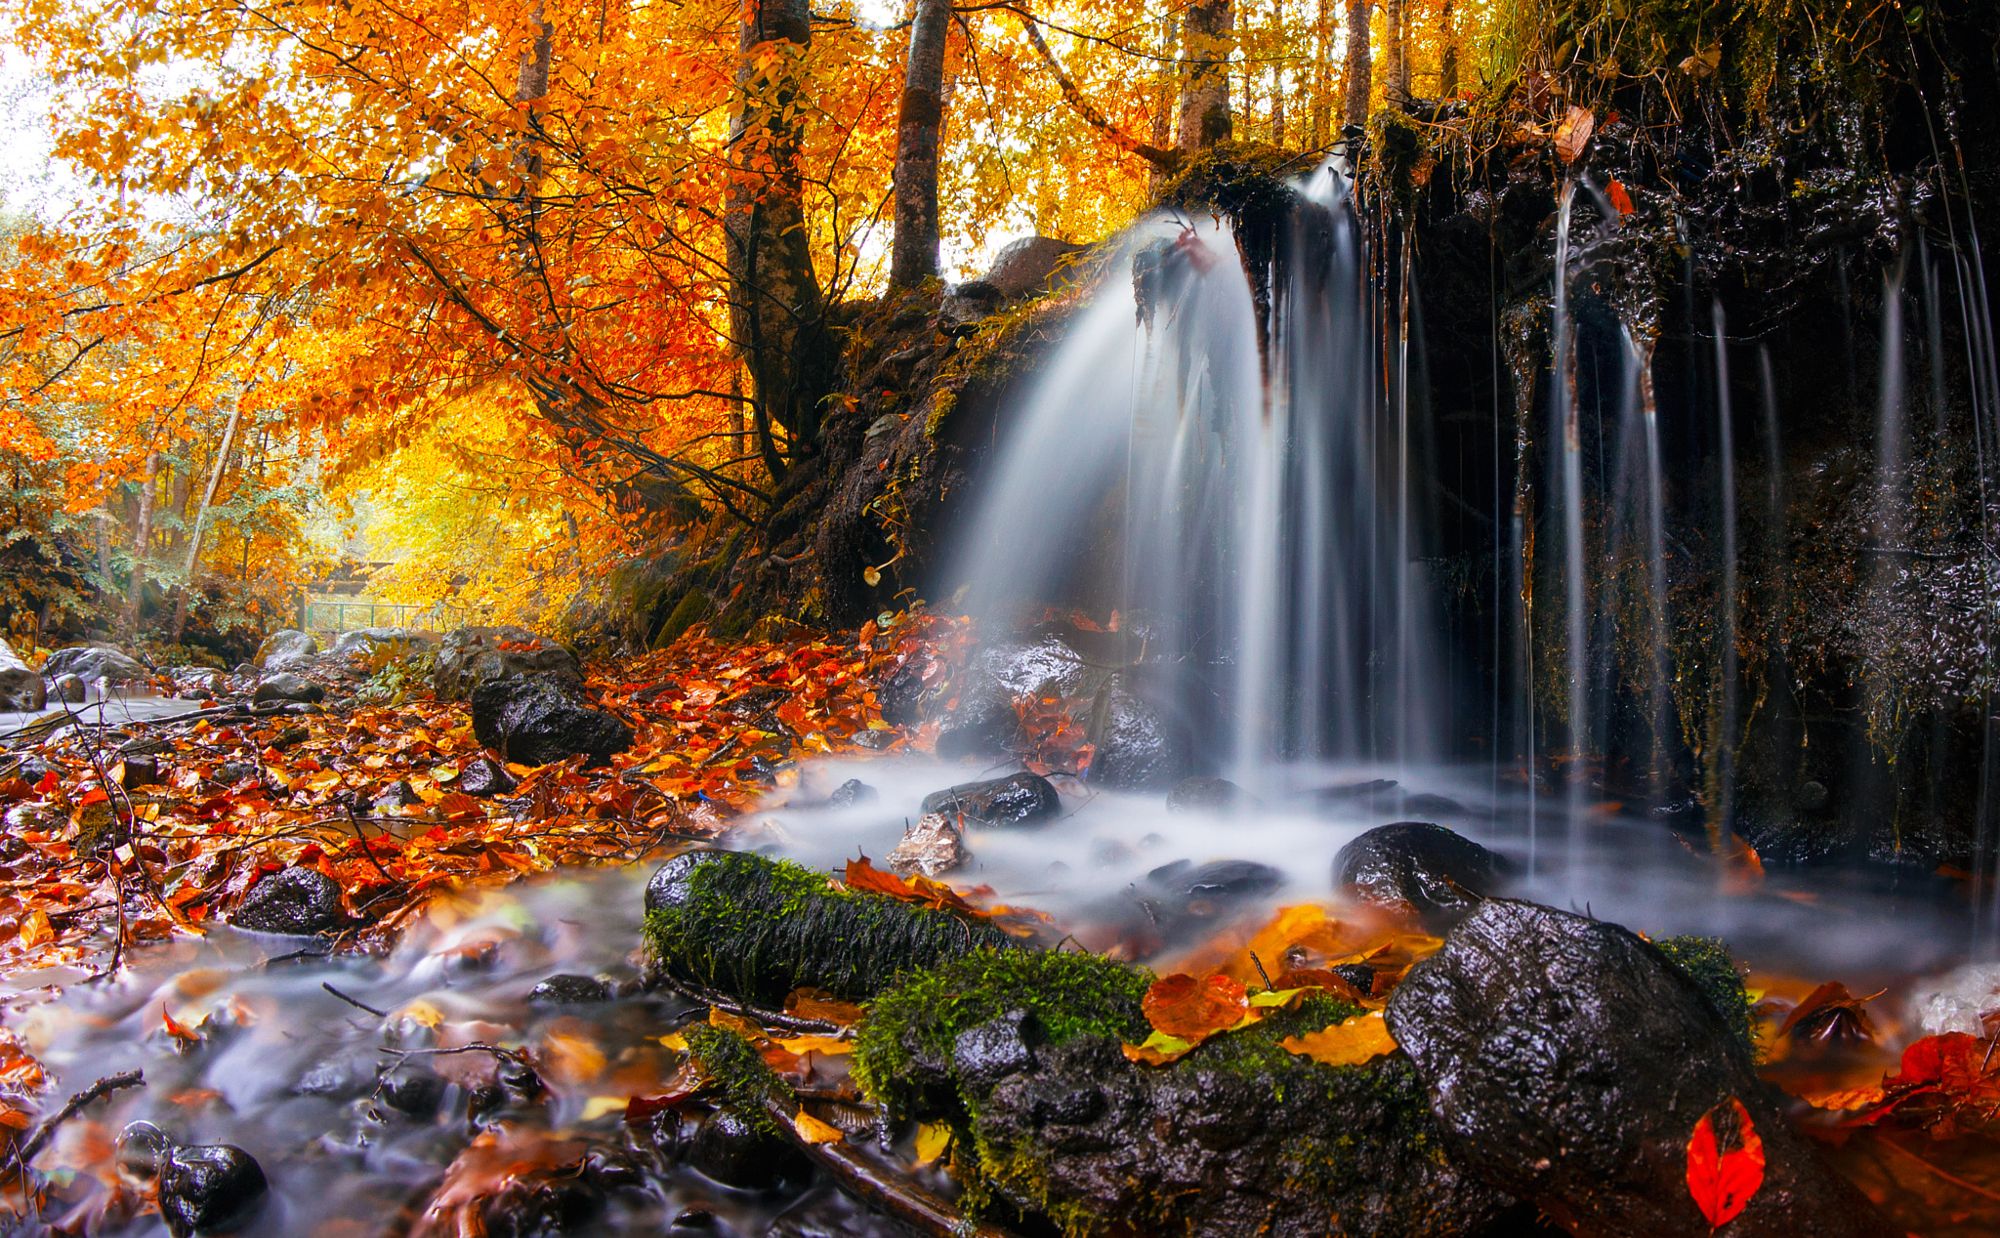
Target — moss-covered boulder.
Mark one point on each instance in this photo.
(757, 929)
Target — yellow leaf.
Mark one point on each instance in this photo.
(675, 1041)
(601, 1106)
(812, 1130)
(831, 1045)
(1360, 1039)
(1159, 1049)
(932, 1139)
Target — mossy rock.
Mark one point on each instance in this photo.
(1021, 1054)
(1707, 962)
(757, 929)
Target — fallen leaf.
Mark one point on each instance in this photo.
(1191, 1009)
(1351, 1042)
(1573, 135)
(1720, 1181)
(814, 1131)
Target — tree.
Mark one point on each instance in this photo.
(919, 128)
(1358, 69)
(1207, 43)
(1395, 54)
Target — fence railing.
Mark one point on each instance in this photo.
(347, 614)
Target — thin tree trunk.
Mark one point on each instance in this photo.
(1358, 66)
(1277, 73)
(777, 310)
(142, 540)
(1448, 61)
(1207, 42)
(1322, 86)
(201, 518)
(1395, 54)
(919, 129)
(1163, 102)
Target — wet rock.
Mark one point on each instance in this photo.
(569, 989)
(398, 794)
(413, 1089)
(1018, 799)
(205, 1189)
(933, 847)
(1043, 667)
(902, 693)
(1365, 792)
(286, 650)
(295, 901)
(68, 689)
(1416, 866)
(471, 656)
(539, 719)
(1567, 1062)
(204, 681)
(483, 776)
(93, 662)
(369, 643)
(339, 1078)
(983, 724)
(670, 887)
(1137, 750)
(21, 689)
(1207, 795)
(1218, 881)
(287, 688)
(852, 792)
(982, 1056)
(735, 1153)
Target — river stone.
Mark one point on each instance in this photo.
(412, 1088)
(569, 989)
(287, 688)
(398, 794)
(1416, 866)
(208, 1188)
(483, 776)
(297, 902)
(1568, 1061)
(93, 662)
(20, 688)
(1137, 750)
(1017, 799)
(933, 847)
(983, 723)
(1044, 667)
(668, 886)
(738, 1153)
(365, 642)
(285, 650)
(1207, 795)
(901, 694)
(69, 689)
(851, 793)
(471, 656)
(538, 719)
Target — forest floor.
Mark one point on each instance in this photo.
(119, 840)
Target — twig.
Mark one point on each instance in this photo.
(800, 1024)
(103, 1087)
(355, 1002)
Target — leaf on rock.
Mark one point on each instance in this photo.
(1573, 135)
(1830, 1012)
(1193, 1010)
(1722, 1179)
(1362, 1038)
(814, 1131)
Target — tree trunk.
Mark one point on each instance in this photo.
(919, 128)
(1448, 61)
(1322, 98)
(777, 311)
(1358, 67)
(1395, 55)
(142, 540)
(1207, 41)
(1163, 103)
(201, 518)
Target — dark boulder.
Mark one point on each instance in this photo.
(93, 662)
(68, 689)
(1416, 866)
(903, 694)
(209, 1188)
(740, 1153)
(1017, 799)
(469, 657)
(20, 688)
(413, 1089)
(851, 793)
(483, 776)
(1137, 749)
(1044, 667)
(1567, 1062)
(569, 989)
(287, 688)
(1207, 795)
(285, 650)
(539, 719)
(982, 722)
(295, 901)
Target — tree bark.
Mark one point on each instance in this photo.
(142, 540)
(1395, 54)
(1358, 66)
(777, 309)
(201, 518)
(1207, 41)
(919, 129)
(1322, 86)
(1448, 61)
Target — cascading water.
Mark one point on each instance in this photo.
(1241, 491)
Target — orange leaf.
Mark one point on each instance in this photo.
(179, 1031)
(1723, 1182)
(1621, 201)
(1191, 1009)
(1362, 1038)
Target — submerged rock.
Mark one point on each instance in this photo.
(287, 688)
(1567, 1062)
(471, 656)
(933, 847)
(20, 688)
(538, 719)
(1207, 795)
(852, 792)
(1018, 799)
(569, 989)
(208, 1188)
(984, 722)
(285, 650)
(294, 901)
(1137, 749)
(1416, 866)
(93, 662)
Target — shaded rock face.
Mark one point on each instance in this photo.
(363, 642)
(1018, 799)
(92, 662)
(20, 688)
(1028, 266)
(285, 650)
(294, 901)
(273, 689)
(1137, 749)
(1207, 795)
(1567, 1062)
(538, 719)
(1183, 899)
(469, 657)
(1218, 1151)
(484, 776)
(984, 722)
(206, 1189)
(1417, 866)
(68, 689)
(1045, 666)
(852, 793)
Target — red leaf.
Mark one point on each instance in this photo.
(1193, 1010)
(1723, 1182)
(1620, 200)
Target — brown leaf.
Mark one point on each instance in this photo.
(1192, 1010)
(1573, 135)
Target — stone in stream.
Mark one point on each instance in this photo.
(933, 847)
(471, 656)
(413, 1089)
(1043, 667)
(1137, 748)
(851, 793)
(1208, 795)
(483, 776)
(984, 722)
(284, 650)
(21, 690)
(398, 794)
(202, 1189)
(297, 902)
(365, 643)
(1018, 799)
(569, 989)
(91, 663)
(287, 688)
(537, 719)
(69, 689)
(1568, 1061)
(1419, 867)
(741, 1154)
